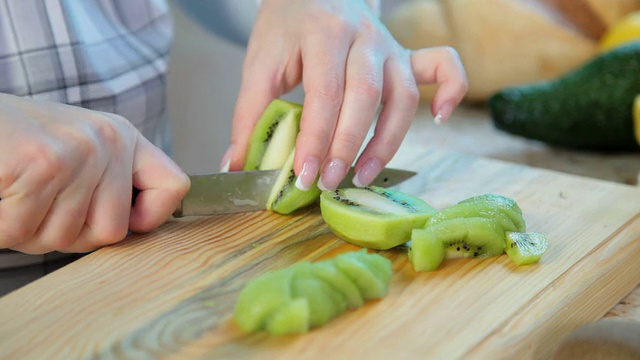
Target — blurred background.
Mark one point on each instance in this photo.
(502, 43)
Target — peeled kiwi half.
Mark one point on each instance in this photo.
(285, 197)
(274, 136)
(373, 217)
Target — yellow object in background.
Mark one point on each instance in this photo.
(636, 117)
(623, 32)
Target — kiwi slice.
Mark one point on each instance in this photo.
(505, 204)
(304, 295)
(426, 251)
(285, 197)
(470, 237)
(273, 290)
(525, 248)
(373, 217)
(508, 219)
(274, 136)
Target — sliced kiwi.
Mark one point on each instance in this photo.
(291, 318)
(285, 197)
(373, 217)
(505, 204)
(426, 251)
(507, 218)
(274, 136)
(469, 237)
(525, 248)
(327, 271)
(274, 291)
(304, 295)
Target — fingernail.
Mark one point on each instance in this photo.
(365, 175)
(225, 163)
(444, 113)
(332, 174)
(308, 175)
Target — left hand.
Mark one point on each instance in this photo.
(349, 64)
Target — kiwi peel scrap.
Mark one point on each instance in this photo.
(373, 217)
(274, 136)
(295, 299)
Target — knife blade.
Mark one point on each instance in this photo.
(246, 191)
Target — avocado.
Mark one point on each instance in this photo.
(589, 108)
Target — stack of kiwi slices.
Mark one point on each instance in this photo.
(482, 226)
(294, 299)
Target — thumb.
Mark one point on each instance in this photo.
(160, 183)
(441, 65)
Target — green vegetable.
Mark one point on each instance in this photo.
(588, 108)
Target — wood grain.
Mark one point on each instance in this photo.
(171, 293)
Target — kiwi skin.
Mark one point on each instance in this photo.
(263, 131)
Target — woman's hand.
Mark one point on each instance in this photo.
(349, 64)
(67, 174)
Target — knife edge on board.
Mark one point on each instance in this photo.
(246, 191)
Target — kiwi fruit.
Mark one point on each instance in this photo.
(508, 219)
(525, 248)
(294, 299)
(476, 237)
(285, 198)
(274, 136)
(426, 251)
(373, 217)
(506, 204)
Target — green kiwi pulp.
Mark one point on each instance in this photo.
(509, 219)
(285, 197)
(294, 299)
(274, 136)
(503, 203)
(525, 248)
(426, 251)
(373, 217)
(476, 237)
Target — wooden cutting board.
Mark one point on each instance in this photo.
(171, 293)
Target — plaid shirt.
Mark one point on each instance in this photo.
(107, 55)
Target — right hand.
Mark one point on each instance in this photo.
(67, 174)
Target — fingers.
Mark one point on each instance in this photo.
(324, 81)
(162, 185)
(363, 92)
(441, 65)
(401, 99)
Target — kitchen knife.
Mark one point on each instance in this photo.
(245, 191)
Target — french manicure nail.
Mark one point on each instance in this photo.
(443, 113)
(225, 163)
(332, 174)
(365, 175)
(308, 175)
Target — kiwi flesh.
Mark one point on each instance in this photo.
(426, 251)
(525, 248)
(509, 220)
(285, 198)
(503, 203)
(373, 217)
(294, 299)
(274, 136)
